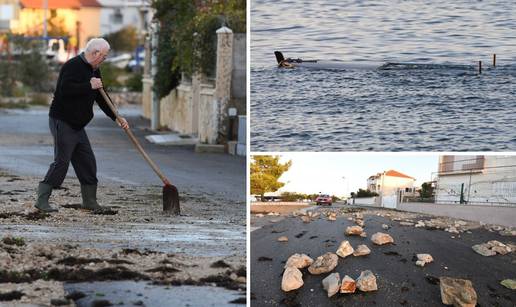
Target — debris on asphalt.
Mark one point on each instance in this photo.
(292, 279)
(348, 285)
(509, 283)
(359, 222)
(259, 215)
(423, 259)
(354, 230)
(406, 224)
(332, 216)
(457, 292)
(273, 214)
(381, 238)
(306, 219)
(361, 250)
(331, 284)
(324, 264)
(385, 226)
(366, 282)
(39, 292)
(283, 239)
(345, 249)
(492, 248)
(299, 261)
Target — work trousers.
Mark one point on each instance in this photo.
(70, 145)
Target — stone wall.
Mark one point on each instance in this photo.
(199, 107)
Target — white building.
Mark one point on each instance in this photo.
(476, 180)
(117, 14)
(391, 186)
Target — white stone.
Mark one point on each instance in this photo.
(345, 249)
(292, 279)
(331, 284)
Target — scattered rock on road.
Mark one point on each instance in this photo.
(331, 284)
(492, 248)
(345, 249)
(423, 259)
(332, 216)
(509, 283)
(354, 230)
(385, 226)
(323, 264)
(359, 222)
(299, 261)
(457, 292)
(380, 238)
(283, 239)
(406, 224)
(292, 279)
(348, 285)
(361, 250)
(367, 281)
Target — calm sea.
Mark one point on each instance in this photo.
(418, 109)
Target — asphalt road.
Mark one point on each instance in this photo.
(400, 281)
(26, 148)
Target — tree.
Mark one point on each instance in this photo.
(365, 193)
(427, 190)
(265, 173)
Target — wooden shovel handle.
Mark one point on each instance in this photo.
(134, 140)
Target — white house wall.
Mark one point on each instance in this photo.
(493, 185)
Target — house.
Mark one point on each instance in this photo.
(390, 182)
(118, 14)
(476, 180)
(64, 18)
(391, 186)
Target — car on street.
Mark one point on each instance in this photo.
(324, 199)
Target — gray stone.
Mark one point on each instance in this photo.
(299, 261)
(380, 238)
(345, 249)
(367, 281)
(354, 230)
(457, 292)
(361, 250)
(423, 259)
(324, 264)
(509, 283)
(331, 284)
(292, 279)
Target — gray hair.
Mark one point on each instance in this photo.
(95, 44)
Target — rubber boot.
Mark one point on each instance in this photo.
(44, 191)
(89, 197)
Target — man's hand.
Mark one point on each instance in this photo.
(96, 83)
(122, 123)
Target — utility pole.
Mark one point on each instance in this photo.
(155, 118)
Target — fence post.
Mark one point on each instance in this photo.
(223, 76)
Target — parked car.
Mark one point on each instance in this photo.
(324, 199)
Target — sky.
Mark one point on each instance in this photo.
(340, 173)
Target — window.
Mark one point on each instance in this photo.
(6, 12)
(117, 17)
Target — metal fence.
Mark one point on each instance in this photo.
(476, 180)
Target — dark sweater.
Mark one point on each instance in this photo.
(74, 97)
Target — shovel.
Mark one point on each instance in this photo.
(170, 193)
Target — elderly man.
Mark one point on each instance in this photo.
(77, 88)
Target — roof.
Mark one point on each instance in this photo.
(394, 173)
(59, 4)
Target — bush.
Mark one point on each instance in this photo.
(125, 39)
(134, 83)
(187, 38)
(365, 193)
(109, 76)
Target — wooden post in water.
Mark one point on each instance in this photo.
(479, 67)
(494, 59)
